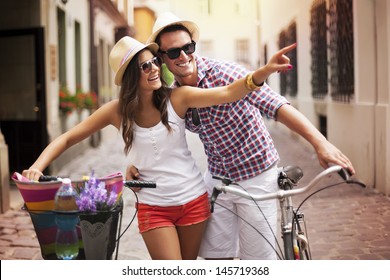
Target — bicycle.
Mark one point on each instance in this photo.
(43, 215)
(293, 229)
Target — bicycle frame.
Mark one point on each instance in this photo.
(295, 244)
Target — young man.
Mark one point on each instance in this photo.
(237, 143)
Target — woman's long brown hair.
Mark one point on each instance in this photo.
(129, 101)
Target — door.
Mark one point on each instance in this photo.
(22, 95)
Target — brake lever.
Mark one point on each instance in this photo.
(213, 198)
(215, 193)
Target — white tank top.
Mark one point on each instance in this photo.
(164, 157)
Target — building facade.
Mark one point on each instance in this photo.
(54, 54)
(342, 78)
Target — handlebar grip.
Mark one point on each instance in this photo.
(140, 184)
(345, 174)
(47, 178)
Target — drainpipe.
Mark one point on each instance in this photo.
(93, 49)
(4, 176)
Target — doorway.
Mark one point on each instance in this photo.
(22, 95)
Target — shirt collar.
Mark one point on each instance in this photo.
(204, 65)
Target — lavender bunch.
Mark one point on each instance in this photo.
(95, 197)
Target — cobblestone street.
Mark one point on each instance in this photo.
(344, 222)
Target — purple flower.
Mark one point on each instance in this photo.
(112, 199)
(85, 204)
(95, 197)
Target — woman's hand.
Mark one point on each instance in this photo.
(132, 174)
(279, 62)
(32, 174)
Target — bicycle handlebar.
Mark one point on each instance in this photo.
(48, 178)
(140, 184)
(127, 183)
(282, 193)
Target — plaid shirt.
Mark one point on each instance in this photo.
(237, 144)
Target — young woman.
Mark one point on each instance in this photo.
(150, 117)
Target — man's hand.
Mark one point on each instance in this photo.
(327, 154)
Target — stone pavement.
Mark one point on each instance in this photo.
(344, 222)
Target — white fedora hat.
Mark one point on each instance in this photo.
(123, 52)
(168, 19)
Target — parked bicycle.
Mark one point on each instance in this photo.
(293, 229)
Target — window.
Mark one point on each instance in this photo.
(61, 47)
(265, 57)
(319, 49)
(341, 50)
(206, 48)
(323, 120)
(292, 75)
(332, 49)
(242, 52)
(283, 80)
(77, 48)
(289, 80)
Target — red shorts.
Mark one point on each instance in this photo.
(193, 212)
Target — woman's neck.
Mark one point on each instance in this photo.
(147, 114)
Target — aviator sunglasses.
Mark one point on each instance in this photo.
(175, 52)
(147, 65)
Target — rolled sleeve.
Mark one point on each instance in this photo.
(267, 101)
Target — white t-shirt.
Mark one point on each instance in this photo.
(164, 157)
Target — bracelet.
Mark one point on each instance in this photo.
(250, 84)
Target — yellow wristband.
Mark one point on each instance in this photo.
(250, 84)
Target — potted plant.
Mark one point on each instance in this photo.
(97, 204)
(67, 101)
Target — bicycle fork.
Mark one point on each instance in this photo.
(287, 229)
(294, 240)
(302, 240)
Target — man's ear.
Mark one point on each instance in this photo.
(160, 55)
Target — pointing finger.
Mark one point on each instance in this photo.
(288, 48)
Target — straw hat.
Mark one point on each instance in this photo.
(123, 52)
(168, 19)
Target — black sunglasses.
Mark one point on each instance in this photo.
(147, 65)
(175, 52)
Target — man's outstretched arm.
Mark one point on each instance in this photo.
(326, 152)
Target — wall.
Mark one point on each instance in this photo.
(74, 11)
(228, 21)
(382, 106)
(144, 19)
(361, 128)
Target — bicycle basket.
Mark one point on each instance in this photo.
(39, 202)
